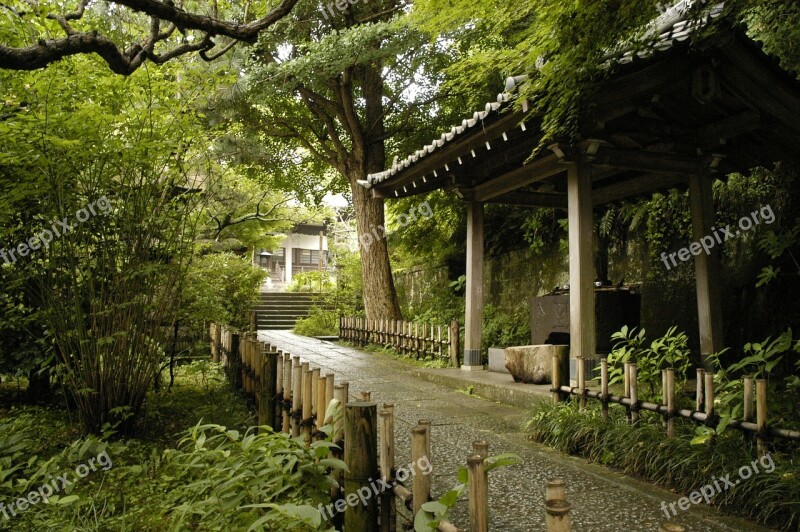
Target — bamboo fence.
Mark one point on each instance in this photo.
(420, 340)
(704, 402)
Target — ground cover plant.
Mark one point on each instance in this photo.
(192, 465)
(677, 463)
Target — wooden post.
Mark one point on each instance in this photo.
(314, 388)
(478, 495)
(670, 403)
(268, 385)
(388, 507)
(699, 396)
(632, 370)
(473, 321)
(556, 380)
(581, 368)
(604, 386)
(439, 340)
(748, 399)
(287, 391)
(761, 416)
(308, 407)
(709, 393)
(581, 265)
(453, 338)
(329, 389)
(322, 406)
(361, 457)
(428, 438)
(421, 483)
(556, 506)
(626, 386)
(706, 267)
(297, 395)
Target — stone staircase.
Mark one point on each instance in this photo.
(281, 310)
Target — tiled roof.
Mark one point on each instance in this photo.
(669, 28)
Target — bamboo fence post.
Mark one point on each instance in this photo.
(439, 340)
(361, 457)
(555, 379)
(633, 371)
(556, 506)
(388, 508)
(670, 403)
(366, 396)
(322, 389)
(421, 485)
(664, 386)
(478, 494)
(581, 363)
(698, 402)
(330, 385)
(235, 361)
(761, 416)
(268, 385)
(287, 391)
(604, 386)
(307, 404)
(709, 394)
(341, 393)
(314, 389)
(626, 387)
(428, 424)
(297, 395)
(748, 399)
(452, 342)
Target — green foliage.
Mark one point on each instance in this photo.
(221, 288)
(669, 351)
(642, 450)
(503, 327)
(312, 281)
(320, 321)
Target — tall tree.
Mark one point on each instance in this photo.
(346, 87)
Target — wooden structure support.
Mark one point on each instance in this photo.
(474, 304)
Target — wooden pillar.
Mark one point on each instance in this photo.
(706, 267)
(474, 312)
(581, 266)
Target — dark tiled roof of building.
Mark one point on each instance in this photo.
(669, 28)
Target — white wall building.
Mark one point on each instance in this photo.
(304, 249)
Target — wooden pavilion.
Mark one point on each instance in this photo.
(685, 111)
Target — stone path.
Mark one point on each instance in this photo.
(602, 500)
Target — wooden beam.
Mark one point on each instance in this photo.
(649, 162)
(537, 170)
(532, 200)
(729, 127)
(473, 321)
(636, 186)
(706, 266)
(581, 262)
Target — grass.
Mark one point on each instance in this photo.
(644, 451)
(386, 351)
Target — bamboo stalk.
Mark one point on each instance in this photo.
(761, 416)
(420, 483)
(634, 391)
(361, 457)
(604, 386)
(555, 489)
(478, 495)
(322, 387)
(388, 507)
(748, 399)
(314, 389)
(698, 403)
(670, 403)
(308, 405)
(709, 393)
(297, 395)
(330, 385)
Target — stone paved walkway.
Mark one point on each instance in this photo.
(602, 500)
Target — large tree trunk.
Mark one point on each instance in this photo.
(380, 296)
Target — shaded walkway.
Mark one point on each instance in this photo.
(602, 500)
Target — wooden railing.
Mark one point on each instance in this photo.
(704, 402)
(420, 340)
